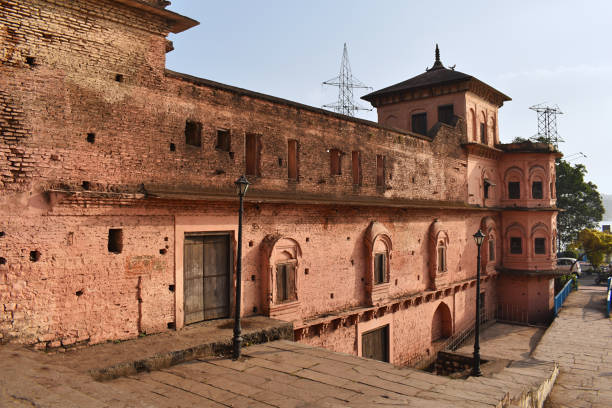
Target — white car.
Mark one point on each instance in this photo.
(569, 265)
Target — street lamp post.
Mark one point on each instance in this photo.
(242, 185)
(479, 238)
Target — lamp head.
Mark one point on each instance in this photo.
(479, 238)
(242, 185)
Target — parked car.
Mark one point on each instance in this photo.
(586, 267)
(569, 265)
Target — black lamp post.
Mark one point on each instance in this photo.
(242, 184)
(479, 238)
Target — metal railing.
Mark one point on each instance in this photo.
(561, 296)
(512, 313)
(609, 298)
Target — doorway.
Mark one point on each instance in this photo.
(206, 274)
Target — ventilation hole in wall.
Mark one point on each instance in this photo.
(331, 295)
(171, 288)
(231, 155)
(352, 262)
(119, 77)
(172, 147)
(538, 293)
(219, 172)
(280, 161)
(412, 252)
(165, 238)
(163, 251)
(91, 137)
(167, 246)
(250, 243)
(306, 271)
(31, 61)
(253, 278)
(362, 279)
(86, 185)
(418, 277)
(79, 292)
(396, 282)
(413, 179)
(171, 325)
(348, 238)
(34, 256)
(115, 240)
(2, 261)
(254, 309)
(54, 157)
(307, 239)
(47, 36)
(1, 234)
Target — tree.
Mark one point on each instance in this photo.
(579, 200)
(595, 245)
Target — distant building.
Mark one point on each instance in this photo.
(119, 214)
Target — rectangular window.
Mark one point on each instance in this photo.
(483, 133)
(380, 268)
(356, 167)
(193, 133)
(292, 160)
(537, 190)
(419, 123)
(252, 153)
(335, 164)
(540, 246)
(516, 245)
(514, 190)
(446, 114)
(223, 140)
(487, 185)
(491, 250)
(441, 259)
(285, 283)
(380, 170)
(115, 240)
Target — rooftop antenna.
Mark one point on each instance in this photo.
(345, 83)
(547, 124)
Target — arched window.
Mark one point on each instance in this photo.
(537, 177)
(489, 256)
(483, 128)
(438, 254)
(540, 238)
(280, 260)
(515, 236)
(512, 179)
(441, 323)
(472, 121)
(378, 246)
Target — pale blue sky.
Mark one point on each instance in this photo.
(534, 51)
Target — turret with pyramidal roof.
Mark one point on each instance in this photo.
(440, 94)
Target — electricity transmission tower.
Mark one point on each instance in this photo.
(547, 124)
(345, 83)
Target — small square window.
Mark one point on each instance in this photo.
(223, 141)
(514, 190)
(516, 245)
(446, 114)
(540, 246)
(115, 240)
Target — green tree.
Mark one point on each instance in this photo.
(579, 200)
(595, 244)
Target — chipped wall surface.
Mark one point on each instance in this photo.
(92, 138)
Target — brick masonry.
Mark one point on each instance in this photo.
(92, 138)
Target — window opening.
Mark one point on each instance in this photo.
(491, 249)
(115, 240)
(285, 282)
(380, 268)
(335, 165)
(483, 133)
(514, 190)
(380, 170)
(441, 259)
(356, 167)
(292, 160)
(537, 190)
(253, 149)
(540, 246)
(516, 245)
(223, 140)
(446, 114)
(419, 123)
(193, 133)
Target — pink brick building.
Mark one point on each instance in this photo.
(118, 213)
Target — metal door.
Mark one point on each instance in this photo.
(206, 274)
(375, 344)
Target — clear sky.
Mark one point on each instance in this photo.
(534, 51)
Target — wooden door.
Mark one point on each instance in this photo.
(375, 344)
(206, 277)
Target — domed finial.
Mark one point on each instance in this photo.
(437, 53)
(437, 64)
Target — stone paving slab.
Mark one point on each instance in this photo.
(580, 340)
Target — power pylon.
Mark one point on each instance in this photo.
(547, 124)
(345, 83)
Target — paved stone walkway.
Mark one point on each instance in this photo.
(580, 340)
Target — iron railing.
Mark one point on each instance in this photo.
(561, 296)
(609, 298)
